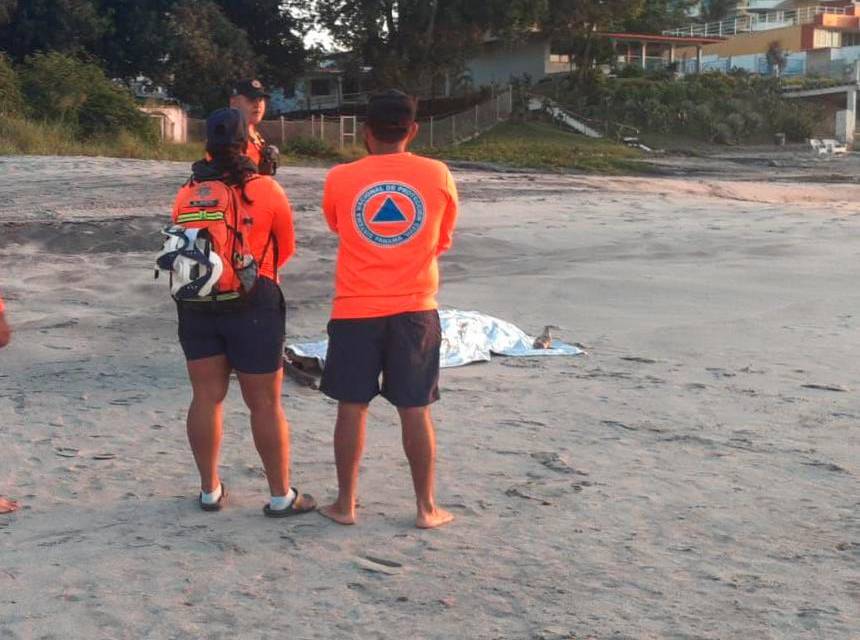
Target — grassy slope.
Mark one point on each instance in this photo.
(542, 146)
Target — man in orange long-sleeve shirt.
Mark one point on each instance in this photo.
(249, 97)
(394, 213)
(6, 505)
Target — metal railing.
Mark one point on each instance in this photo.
(755, 22)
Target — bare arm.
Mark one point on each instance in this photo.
(449, 220)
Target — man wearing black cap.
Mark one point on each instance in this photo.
(394, 213)
(249, 97)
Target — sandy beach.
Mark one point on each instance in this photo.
(694, 477)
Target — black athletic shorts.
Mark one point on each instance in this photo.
(404, 348)
(252, 337)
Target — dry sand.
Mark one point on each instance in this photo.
(695, 477)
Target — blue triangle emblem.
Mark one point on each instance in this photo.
(389, 212)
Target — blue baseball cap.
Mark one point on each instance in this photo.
(226, 126)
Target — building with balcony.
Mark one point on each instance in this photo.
(820, 38)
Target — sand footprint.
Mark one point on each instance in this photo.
(554, 462)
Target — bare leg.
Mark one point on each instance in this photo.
(210, 378)
(262, 394)
(7, 505)
(419, 443)
(349, 434)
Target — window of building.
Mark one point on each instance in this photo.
(350, 85)
(321, 87)
(559, 58)
(850, 39)
(824, 38)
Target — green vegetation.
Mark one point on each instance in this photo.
(58, 104)
(543, 146)
(65, 90)
(804, 83)
(195, 48)
(19, 136)
(713, 107)
(302, 149)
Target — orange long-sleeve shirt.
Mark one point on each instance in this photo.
(270, 214)
(394, 215)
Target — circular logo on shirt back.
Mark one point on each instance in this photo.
(389, 214)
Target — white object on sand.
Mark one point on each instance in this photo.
(467, 336)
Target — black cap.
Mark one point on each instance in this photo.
(226, 126)
(250, 89)
(391, 109)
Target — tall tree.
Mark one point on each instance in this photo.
(50, 25)
(656, 15)
(139, 38)
(409, 42)
(207, 51)
(717, 10)
(275, 32)
(575, 22)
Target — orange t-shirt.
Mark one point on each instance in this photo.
(269, 215)
(394, 214)
(2, 306)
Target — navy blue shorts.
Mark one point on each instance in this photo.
(403, 348)
(252, 337)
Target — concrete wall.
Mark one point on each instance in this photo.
(757, 42)
(497, 63)
(834, 63)
(753, 63)
(172, 121)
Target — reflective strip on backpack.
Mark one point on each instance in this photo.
(200, 216)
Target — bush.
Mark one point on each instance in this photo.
(797, 124)
(716, 107)
(11, 99)
(63, 89)
(109, 110)
(21, 136)
(631, 71)
(312, 147)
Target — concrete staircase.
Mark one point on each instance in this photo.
(563, 116)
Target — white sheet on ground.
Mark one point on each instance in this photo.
(467, 336)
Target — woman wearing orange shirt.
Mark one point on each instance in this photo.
(248, 340)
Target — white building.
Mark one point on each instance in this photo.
(172, 121)
(498, 62)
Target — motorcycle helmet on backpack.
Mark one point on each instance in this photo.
(188, 256)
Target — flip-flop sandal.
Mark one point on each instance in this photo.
(215, 506)
(303, 503)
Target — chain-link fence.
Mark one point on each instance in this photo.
(440, 131)
(342, 131)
